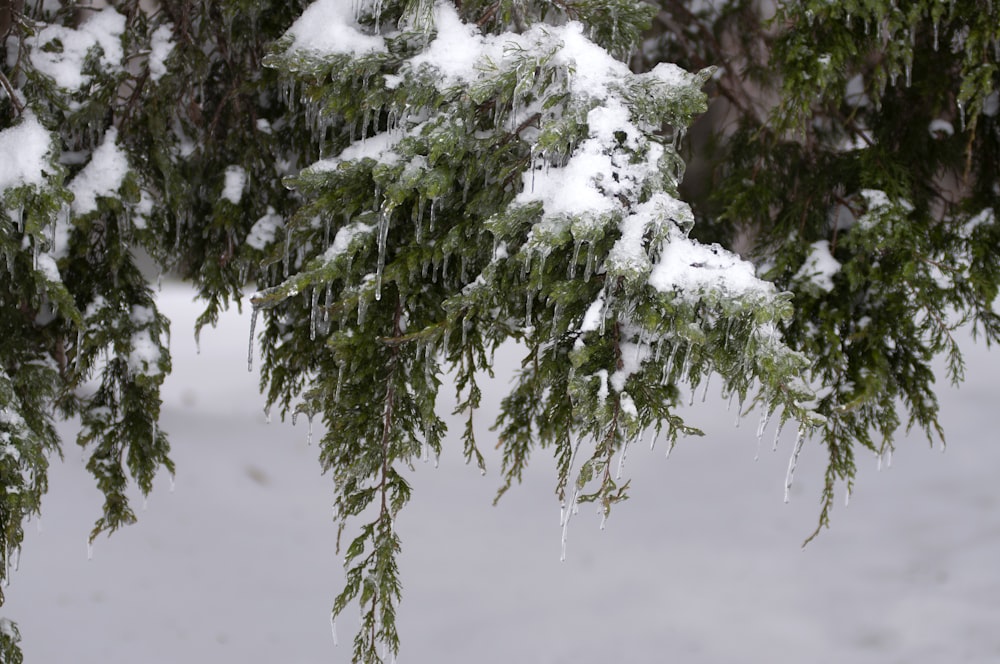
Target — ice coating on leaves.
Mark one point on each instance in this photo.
(331, 26)
(103, 30)
(102, 176)
(820, 266)
(24, 147)
(236, 182)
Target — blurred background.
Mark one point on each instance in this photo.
(234, 561)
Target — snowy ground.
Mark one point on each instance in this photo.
(237, 563)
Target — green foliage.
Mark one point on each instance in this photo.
(445, 177)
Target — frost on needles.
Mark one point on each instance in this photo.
(479, 187)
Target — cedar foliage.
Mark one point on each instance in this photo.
(401, 215)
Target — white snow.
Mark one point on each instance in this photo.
(160, 46)
(690, 266)
(46, 264)
(236, 182)
(378, 147)
(592, 318)
(854, 94)
(145, 354)
(264, 229)
(939, 128)
(103, 30)
(703, 565)
(330, 26)
(24, 147)
(820, 266)
(342, 240)
(991, 105)
(458, 49)
(101, 177)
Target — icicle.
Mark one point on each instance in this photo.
(288, 247)
(383, 236)
(793, 461)
(418, 228)
(362, 308)
(309, 431)
(764, 418)
(777, 435)
(333, 630)
(340, 382)
(267, 414)
(90, 549)
(704, 395)
(654, 436)
(173, 483)
(313, 314)
(847, 496)
(621, 462)
(909, 72)
(253, 324)
(935, 35)
(576, 257)
(961, 115)
(564, 516)
(670, 447)
(589, 269)
(79, 349)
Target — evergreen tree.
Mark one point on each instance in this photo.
(410, 184)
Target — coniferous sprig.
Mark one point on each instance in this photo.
(486, 186)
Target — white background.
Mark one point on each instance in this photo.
(703, 564)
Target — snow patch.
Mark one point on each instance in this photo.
(820, 266)
(67, 48)
(145, 355)
(25, 148)
(686, 265)
(236, 182)
(264, 229)
(331, 26)
(101, 177)
(160, 46)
